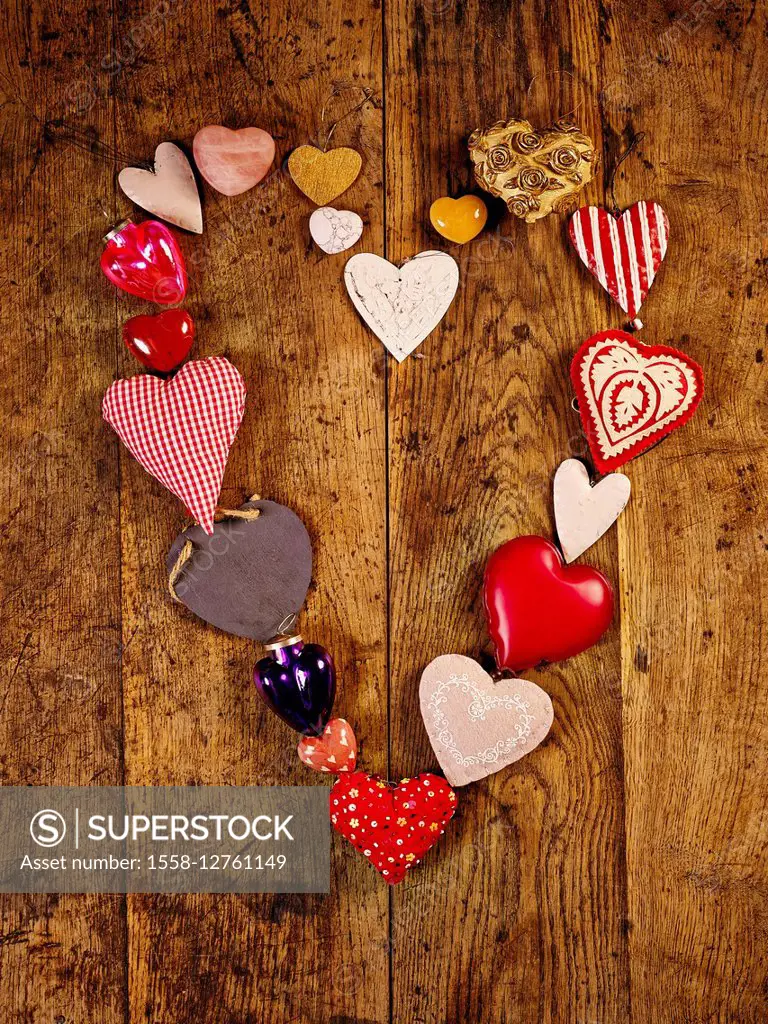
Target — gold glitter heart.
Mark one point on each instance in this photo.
(534, 172)
(323, 176)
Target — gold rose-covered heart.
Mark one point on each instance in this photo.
(534, 172)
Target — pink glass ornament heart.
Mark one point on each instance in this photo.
(233, 161)
(145, 260)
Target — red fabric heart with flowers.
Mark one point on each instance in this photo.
(393, 826)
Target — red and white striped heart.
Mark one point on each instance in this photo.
(632, 395)
(180, 430)
(624, 253)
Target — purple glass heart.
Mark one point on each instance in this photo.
(298, 682)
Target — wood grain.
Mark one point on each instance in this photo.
(529, 890)
(60, 709)
(694, 669)
(618, 873)
(312, 437)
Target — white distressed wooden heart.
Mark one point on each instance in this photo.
(402, 305)
(335, 230)
(583, 513)
(169, 192)
(477, 726)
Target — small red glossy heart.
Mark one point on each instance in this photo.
(335, 751)
(160, 342)
(540, 610)
(145, 260)
(393, 826)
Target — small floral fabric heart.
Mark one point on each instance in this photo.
(393, 826)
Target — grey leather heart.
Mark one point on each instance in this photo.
(249, 577)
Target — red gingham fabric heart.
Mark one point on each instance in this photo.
(623, 252)
(393, 826)
(180, 430)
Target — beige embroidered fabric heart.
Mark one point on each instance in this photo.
(169, 192)
(477, 726)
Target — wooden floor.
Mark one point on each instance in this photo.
(619, 873)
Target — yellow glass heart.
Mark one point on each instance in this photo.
(458, 220)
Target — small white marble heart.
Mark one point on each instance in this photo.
(477, 726)
(169, 191)
(335, 230)
(402, 305)
(583, 513)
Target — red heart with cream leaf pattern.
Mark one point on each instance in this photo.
(632, 395)
(393, 826)
(180, 430)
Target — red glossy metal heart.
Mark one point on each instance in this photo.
(632, 395)
(145, 260)
(539, 609)
(393, 826)
(160, 342)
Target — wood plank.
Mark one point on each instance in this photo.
(60, 709)
(313, 437)
(693, 546)
(520, 915)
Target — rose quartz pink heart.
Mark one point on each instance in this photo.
(233, 161)
(583, 513)
(335, 751)
(477, 726)
(169, 192)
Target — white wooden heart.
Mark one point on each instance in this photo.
(477, 726)
(402, 305)
(335, 230)
(170, 191)
(583, 513)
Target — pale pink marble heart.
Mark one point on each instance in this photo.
(583, 513)
(477, 726)
(169, 192)
(233, 161)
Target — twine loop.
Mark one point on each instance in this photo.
(247, 514)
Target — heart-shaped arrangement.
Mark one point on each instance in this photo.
(145, 260)
(624, 253)
(335, 230)
(249, 576)
(477, 726)
(402, 305)
(323, 176)
(458, 220)
(170, 191)
(160, 342)
(393, 826)
(333, 752)
(233, 161)
(540, 610)
(631, 396)
(180, 430)
(298, 682)
(534, 172)
(583, 513)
